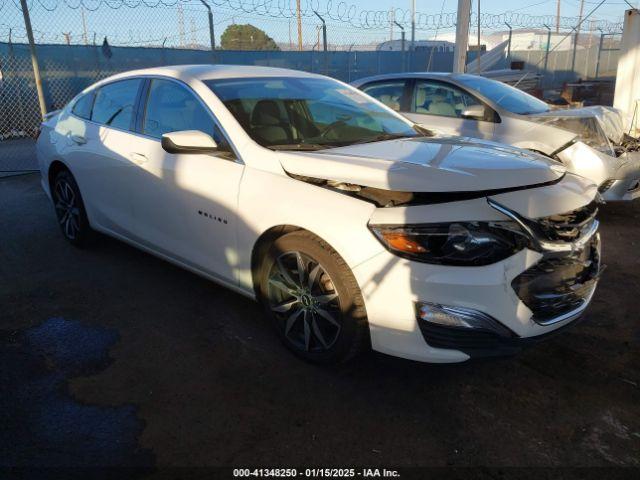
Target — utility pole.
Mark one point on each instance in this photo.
(558, 18)
(84, 27)
(34, 58)
(299, 13)
(413, 25)
(479, 52)
(462, 36)
(181, 25)
(580, 18)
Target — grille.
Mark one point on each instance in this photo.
(559, 285)
(567, 226)
(475, 343)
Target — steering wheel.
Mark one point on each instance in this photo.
(331, 127)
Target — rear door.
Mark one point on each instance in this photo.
(394, 93)
(98, 153)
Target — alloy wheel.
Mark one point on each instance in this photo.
(303, 298)
(67, 208)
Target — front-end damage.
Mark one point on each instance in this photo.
(601, 151)
(470, 307)
(618, 178)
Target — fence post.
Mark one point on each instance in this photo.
(324, 43)
(402, 35)
(34, 58)
(599, 50)
(212, 37)
(575, 48)
(546, 50)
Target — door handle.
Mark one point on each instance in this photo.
(138, 158)
(79, 139)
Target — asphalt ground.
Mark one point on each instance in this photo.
(111, 357)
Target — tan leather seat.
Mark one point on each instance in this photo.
(439, 106)
(390, 102)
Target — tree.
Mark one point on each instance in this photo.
(246, 37)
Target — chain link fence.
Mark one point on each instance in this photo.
(81, 41)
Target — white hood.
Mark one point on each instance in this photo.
(426, 165)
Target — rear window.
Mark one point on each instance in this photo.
(115, 102)
(83, 106)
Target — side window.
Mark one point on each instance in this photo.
(114, 104)
(391, 92)
(436, 98)
(83, 106)
(173, 108)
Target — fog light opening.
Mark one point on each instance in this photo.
(460, 317)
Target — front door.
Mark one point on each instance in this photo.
(442, 107)
(185, 204)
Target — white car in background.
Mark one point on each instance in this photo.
(347, 223)
(588, 141)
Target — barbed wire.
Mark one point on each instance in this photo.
(337, 11)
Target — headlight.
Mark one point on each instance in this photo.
(456, 243)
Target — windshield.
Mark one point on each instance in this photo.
(506, 96)
(307, 113)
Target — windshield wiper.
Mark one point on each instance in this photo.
(300, 146)
(383, 137)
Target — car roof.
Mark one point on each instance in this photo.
(405, 75)
(212, 72)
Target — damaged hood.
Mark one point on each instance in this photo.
(608, 119)
(433, 165)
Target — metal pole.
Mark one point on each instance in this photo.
(34, 58)
(575, 47)
(599, 50)
(413, 24)
(402, 42)
(558, 18)
(479, 52)
(546, 52)
(462, 36)
(324, 43)
(299, 14)
(509, 44)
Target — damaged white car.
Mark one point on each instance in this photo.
(588, 141)
(349, 225)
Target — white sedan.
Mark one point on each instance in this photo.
(349, 224)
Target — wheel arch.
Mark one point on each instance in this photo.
(56, 167)
(262, 244)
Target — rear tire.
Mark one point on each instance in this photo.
(70, 210)
(313, 299)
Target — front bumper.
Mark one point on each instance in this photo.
(392, 287)
(479, 344)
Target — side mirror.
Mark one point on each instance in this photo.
(188, 141)
(474, 112)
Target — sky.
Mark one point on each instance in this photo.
(144, 25)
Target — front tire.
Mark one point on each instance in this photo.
(70, 211)
(313, 299)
